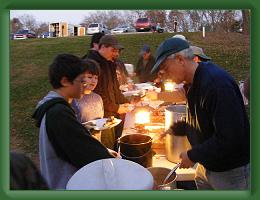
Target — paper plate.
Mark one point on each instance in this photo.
(99, 124)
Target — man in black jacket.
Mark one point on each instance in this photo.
(115, 104)
(94, 43)
(217, 125)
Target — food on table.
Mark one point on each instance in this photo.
(110, 120)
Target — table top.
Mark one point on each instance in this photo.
(159, 159)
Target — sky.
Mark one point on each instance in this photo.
(71, 16)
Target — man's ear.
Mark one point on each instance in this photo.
(180, 59)
(196, 59)
(65, 82)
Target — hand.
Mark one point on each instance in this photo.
(114, 153)
(185, 160)
(162, 135)
(179, 128)
(124, 108)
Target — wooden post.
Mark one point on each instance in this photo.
(203, 31)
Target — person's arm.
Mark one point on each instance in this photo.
(138, 66)
(102, 89)
(71, 140)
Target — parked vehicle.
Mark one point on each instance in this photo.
(11, 36)
(144, 24)
(45, 35)
(123, 29)
(24, 34)
(97, 28)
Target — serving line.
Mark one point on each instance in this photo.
(159, 159)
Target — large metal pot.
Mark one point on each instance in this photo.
(174, 145)
(159, 174)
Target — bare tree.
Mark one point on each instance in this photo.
(178, 21)
(130, 17)
(43, 27)
(15, 25)
(139, 13)
(196, 19)
(110, 18)
(174, 20)
(157, 16)
(28, 22)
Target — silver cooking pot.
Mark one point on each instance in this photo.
(174, 145)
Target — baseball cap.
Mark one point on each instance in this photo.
(146, 48)
(110, 41)
(179, 36)
(166, 48)
(197, 51)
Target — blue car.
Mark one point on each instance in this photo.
(45, 35)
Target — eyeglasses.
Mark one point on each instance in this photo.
(81, 81)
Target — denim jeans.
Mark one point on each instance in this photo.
(234, 179)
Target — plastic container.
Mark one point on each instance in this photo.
(111, 174)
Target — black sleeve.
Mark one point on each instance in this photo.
(138, 66)
(71, 140)
(103, 90)
(229, 125)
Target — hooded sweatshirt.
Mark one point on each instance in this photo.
(65, 145)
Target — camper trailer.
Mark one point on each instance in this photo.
(59, 29)
(79, 31)
(63, 29)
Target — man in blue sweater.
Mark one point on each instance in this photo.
(217, 125)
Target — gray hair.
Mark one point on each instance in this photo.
(186, 53)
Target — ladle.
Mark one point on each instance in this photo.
(171, 172)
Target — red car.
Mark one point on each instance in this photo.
(144, 24)
(24, 34)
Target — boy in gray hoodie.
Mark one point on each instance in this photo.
(65, 145)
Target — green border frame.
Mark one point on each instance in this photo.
(7, 5)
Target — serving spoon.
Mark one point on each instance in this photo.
(171, 172)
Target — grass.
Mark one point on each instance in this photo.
(30, 59)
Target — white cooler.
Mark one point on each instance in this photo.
(111, 174)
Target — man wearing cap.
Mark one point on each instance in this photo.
(115, 104)
(217, 125)
(179, 95)
(144, 65)
(199, 55)
(94, 43)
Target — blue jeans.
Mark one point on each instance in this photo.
(234, 179)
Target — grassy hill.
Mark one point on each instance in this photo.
(29, 60)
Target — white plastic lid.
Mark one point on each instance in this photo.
(111, 174)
